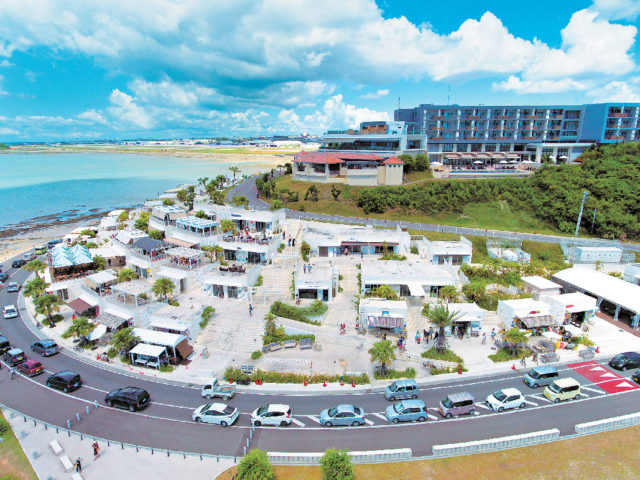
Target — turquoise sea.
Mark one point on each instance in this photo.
(69, 185)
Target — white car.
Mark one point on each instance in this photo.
(216, 413)
(505, 399)
(9, 311)
(273, 414)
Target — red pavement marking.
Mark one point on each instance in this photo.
(607, 380)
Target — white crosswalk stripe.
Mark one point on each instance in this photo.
(482, 406)
(368, 422)
(539, 397)
(297, 422)
(432, 417)
(315, 418)
(530, 403)
(593, 390)
(582, 394)
(379, 415)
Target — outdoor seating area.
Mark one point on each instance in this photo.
(135, 292)
(101, 282)
(70, 262)
(150, 247)
(197, 226)
(186, 258)
(152, 356)
(233, 269)
(246, 237)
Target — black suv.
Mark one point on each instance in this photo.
(625, 361)
(18, 263)
(129, 398)
(66, 381)
(5, 346)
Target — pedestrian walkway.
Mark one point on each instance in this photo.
(112, 463)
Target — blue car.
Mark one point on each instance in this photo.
(349, 415)
(45, 348)
(407, 411)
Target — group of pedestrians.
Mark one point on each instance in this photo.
(306, 268)
(291, 241)
(96, 453)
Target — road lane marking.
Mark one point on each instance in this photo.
(432, 417)
(592, 390)
(530, 403)
(314, 418)
(368, 422)
(379, 415)
(297, 422)
(582, 394)
(483, 406)
(539, 397)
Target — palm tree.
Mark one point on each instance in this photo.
(203, 181)
(99, 262)
(36, 266)
(48, 304)
(441, 317)
(234, 170)
(383, 352)
(126, 275)
(80, 327)
(516, 340)
(124, 340)
(163, 287)
(34, 288)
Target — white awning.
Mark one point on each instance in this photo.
(148, 350)
(416, 289)
(158, 338)
(173, 274)
(168, 324)
(97, 333)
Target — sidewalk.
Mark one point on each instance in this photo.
(113, 462)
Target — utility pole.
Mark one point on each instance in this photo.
(584, 199)
(593, 222)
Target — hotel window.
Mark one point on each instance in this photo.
(572, 114)
(547, 151)
(569, 134)
(490, 147)
(447, 147)
(570, 125)
(505, 147)
(476, 147)
(563, 152)
(462, 147)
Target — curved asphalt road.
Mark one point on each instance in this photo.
(247, 188)
(166, 423)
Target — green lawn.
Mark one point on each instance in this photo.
(14, 464)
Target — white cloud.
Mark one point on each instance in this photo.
(6, 63)
(515, 84)
(93, 117)
(8, 131)
(617, 9)
(337, 114)
(125, 110)
(379, 94)
(616, 91)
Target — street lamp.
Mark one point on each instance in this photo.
(584, 198)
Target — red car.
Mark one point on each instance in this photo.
(31, 368)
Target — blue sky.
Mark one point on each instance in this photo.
(118, 69)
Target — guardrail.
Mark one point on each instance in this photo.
(607, 424)
(496, 443)
(369, 456)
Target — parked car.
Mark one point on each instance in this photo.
(407, 411)
(562, 389)
(4, 344)
(66, 381)
(4, 277)
(216, 413)
(506, 399)
(626, 360)
(45, 348)
(128, 398)
(401, 389)
(31, 368)
(9, 311)
(14, 357)
(349, 415)
(214, 389)
(457, 404)
(540, 376)
(636, 376)
(274, 414)
(18, 263)
(12, 287)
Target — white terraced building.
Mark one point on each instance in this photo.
(331, 240)
(320, 282)
(406, 278)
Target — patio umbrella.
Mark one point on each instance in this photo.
(513, 161)
(563, 157)
(478, 162)
(503, 162)
(527, 161)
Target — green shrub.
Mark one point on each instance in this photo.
(305, 251)
(91, 245)
(584, 340)
(256, 355)
(447, 355)
(277, 377)
(336, 465)
(504, 355)
(255, 465)
(409, 372)
(281, 248)
(268, 339)
(392, 256)
(166, 368)
(259, 281)
(4, 427)
(440, 371)
(300, 314)
(414, 250)
(112, 352)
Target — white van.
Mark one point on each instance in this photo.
(9, 311)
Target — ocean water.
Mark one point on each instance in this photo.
(75, 184)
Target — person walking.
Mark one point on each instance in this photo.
(484, 339)
(250, 310)
(13, 372)
(78, 465)
(96, 451)
(304, 268)
(424, 335)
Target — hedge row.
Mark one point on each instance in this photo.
(300, 314)
(391, 374)
(277, 377)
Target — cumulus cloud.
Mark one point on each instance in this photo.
(336, 113)
(93, 116)
(515, 84)
(617, 9)
(6, 63)
(373, 95)
(128, 113)
(617, 91)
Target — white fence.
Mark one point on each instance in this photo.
(370, 456)
(496, 443)
(608, 424)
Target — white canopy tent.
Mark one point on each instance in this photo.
(148, 355)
